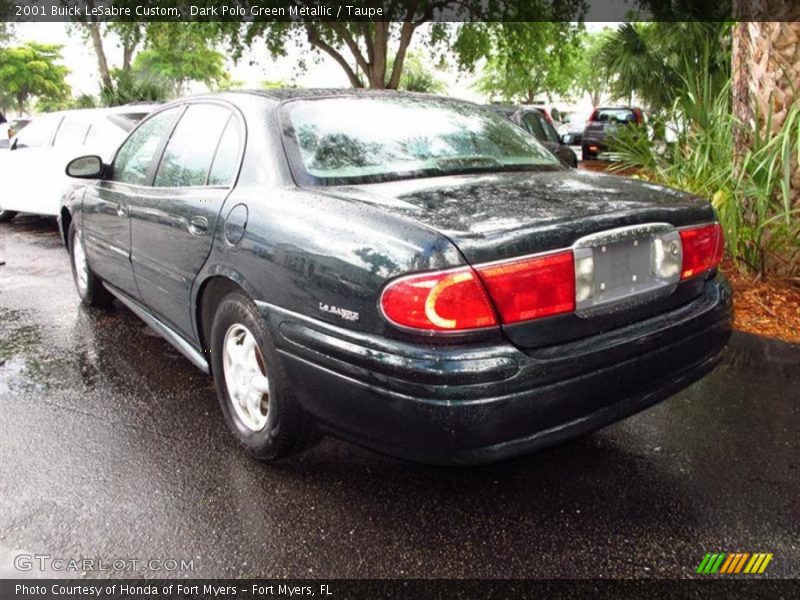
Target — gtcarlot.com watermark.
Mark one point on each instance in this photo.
(47, 562)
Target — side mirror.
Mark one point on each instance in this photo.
(86, 167)
(566, 139)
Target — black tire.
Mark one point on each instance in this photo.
(7, 215)
(288, 428)
(586, 155)
(94, 293)
(573, 160)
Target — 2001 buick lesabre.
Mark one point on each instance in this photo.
(410, 273)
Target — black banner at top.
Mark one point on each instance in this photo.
(398, 10)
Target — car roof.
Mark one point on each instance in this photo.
(299, 93)
(97, 112)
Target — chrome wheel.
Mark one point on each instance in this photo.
(81, 266)
(245, 378)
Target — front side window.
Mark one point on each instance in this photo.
(191, 148)
(136, 155)
(355, 140)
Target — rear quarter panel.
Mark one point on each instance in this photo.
(319, 256)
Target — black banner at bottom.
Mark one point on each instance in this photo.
(377, 589)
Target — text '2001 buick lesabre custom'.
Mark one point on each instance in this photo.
(410, 273)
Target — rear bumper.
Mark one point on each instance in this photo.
(588, 142)
(469, 405)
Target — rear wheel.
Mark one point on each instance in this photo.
(586, 154)
(7, 215)
(252, 386)
(89, 286)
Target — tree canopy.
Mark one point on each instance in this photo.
(32, 71)
(180, 55)
(373, 54)
(591, 77)
(523, 60)
(655, 60)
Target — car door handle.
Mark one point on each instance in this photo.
(198, 225)
(121, 212)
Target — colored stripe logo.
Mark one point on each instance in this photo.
(733, 563)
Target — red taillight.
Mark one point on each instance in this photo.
(446, 301)
(702, 249)
(456, 300)
(531, 288)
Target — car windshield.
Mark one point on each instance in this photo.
(357, 140)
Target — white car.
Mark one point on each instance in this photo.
(32, 168)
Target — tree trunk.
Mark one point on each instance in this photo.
(21, 104)
(102, 62)
(127, 55)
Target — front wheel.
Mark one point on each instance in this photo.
(252, 386)
(89, 286)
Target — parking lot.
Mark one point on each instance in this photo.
(112, 446)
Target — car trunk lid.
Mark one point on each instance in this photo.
(502, 216)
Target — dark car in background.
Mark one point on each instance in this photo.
(603, 124)
(411, 273)
(536, 122)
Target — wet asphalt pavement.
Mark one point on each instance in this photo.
(112, 446)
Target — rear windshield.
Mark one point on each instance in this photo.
(357, 140)
(615, 115)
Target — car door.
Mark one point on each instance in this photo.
(29, 174)
(106, 206)
(172, 226)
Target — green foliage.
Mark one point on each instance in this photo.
(654, 60)
(276, 84)
(179, 54)
(365, 49)
(85, 101)
(524, 60)
(5, 32)
(418, 77)
(591, 77)
(32, 71)
(135, 86)
(751, 192)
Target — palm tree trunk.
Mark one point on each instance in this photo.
(766, 73)
(766, 66)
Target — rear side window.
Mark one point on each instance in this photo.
(226, 161)
(40, 132)
(72, 132)
(550, 133)
(534, 125)
(136, 155)
(192, 146)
